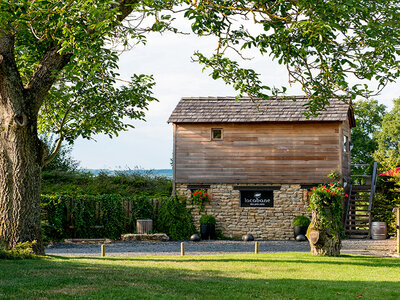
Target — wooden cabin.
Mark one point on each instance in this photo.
(239, 150)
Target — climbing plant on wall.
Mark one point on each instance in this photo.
(325, 230)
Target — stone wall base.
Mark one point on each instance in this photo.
(264, 223)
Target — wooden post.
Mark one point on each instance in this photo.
(398, 229)
(103, 250)
(182, 249)
(256, 247)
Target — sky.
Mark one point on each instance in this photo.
(168, 58)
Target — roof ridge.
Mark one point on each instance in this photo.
(246, 97)
(225, 109)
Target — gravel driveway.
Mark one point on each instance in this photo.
(135, 248)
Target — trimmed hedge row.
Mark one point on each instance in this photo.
(108, 216)
(127, 185)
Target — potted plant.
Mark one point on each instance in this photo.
(207, 227)
(300, 224)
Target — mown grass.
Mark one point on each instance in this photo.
(268, 276)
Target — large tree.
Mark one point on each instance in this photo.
(58, 60)
(57, 73)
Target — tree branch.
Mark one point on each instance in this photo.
(53, 155)
(11, 87)
(126, 7)
(45, 75)
(57, 148)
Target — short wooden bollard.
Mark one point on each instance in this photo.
(182, 249)
(103, 250)
(256, 247)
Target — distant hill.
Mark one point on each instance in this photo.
(155, 172)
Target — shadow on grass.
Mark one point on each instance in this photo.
(296, 258)
(187, 278)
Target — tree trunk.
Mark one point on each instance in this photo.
(322, 241)
(20, 176)
(21, 153)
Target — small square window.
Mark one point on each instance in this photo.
(216, 134)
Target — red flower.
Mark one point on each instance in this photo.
(331, 183)
(327, 190)
(346, 195)
(332, 193)
(314, 188)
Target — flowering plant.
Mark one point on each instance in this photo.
(200, 197)
(326, 201)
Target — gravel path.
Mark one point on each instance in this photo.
(359, 247)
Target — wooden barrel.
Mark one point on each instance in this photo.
(144, 226)
(378, 230)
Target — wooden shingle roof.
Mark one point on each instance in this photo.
(227, 109)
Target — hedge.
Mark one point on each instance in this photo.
(108, 216)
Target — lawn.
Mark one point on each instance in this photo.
(273, 276)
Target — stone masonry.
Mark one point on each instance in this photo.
(264, 223)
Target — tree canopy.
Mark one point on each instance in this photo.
(323, 44)
(66, 54)
(369, 114)
(388, 138)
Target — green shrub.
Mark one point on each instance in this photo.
(108, 216)
(383, 211)
(301, 221)
(174, 219)
(207, 220)
(78, 204)
(128, 185)
(21, 251)
(386, 198)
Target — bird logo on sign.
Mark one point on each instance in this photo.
(257, 195)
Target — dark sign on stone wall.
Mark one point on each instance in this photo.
(256, 198)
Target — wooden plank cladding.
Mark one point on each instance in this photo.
(265, 152)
